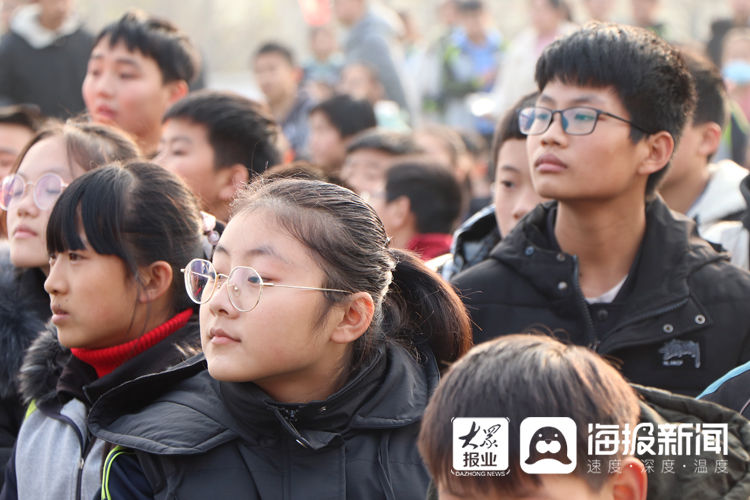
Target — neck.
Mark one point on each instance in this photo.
(280, 107)
(605, 239)
(680, 194)
(401, 237)
(50, 22)
(148, 145)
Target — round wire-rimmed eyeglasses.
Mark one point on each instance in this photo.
(245, 286)
(46, 190)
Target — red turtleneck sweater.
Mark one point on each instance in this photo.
(106, 359)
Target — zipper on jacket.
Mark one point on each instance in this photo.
(592, 341)
(82, 463)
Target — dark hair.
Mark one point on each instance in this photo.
(157, 39)
(139, 212)
(276, 48)
(433, 192)
(710, 91)
(238, 129)
(517, 376)
(507, 128)
(469, 5)
(648, 75)
(348, 116)
(25, 115)
(301, 169)
(88, 145)
(346, 237)
(388, 141)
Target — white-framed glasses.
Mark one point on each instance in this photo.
(46, 190)
(244, 284)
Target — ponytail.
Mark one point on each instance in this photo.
(421, 308)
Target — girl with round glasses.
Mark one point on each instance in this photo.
(116, 240)
(52, 159)
(322, 346)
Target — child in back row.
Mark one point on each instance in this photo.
(53, 157)
(322, 347)
(116, 240)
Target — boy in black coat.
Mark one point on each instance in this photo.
(607, 265)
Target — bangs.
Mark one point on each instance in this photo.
(94, 205)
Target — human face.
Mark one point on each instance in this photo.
(687, 159)
(357, 82)
(276, 78)
(282, 345)
(125, 88)
(13, 138)
(327, 147)
(365, 169)
(27, 223)
(184, 149)
(92, 297)
(553, 487)
(600, 166)
(514, 191)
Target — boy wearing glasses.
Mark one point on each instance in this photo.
(607, 265)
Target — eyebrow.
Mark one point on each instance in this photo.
(510, 167)
(260, 251)
(584, 99)
(120, 60)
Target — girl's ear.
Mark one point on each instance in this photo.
(154, 280)
(355, 319)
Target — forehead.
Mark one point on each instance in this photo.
(184, 127)
(257, 238)
(47, 155)
(563, 94)
(120, 53)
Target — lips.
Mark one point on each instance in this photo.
(59, 315)
(104, 113)
(24, 231)
(549, 163)
(219, 336)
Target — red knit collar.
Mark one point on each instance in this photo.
(106, 359)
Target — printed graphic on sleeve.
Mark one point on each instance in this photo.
(480, 444)
(548, 445)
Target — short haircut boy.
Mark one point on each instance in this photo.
(517, 376)
(348, 116)
(238, 130)
(157, 39)
(710, 90)
(278, 49)
(432, 190)
(648, 75)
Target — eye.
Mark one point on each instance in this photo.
(74, 256)
(52, 258)
(584, 116)
(508, 184)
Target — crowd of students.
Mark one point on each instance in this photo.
(204, 295)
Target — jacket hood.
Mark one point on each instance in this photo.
(661, 407)
(394, 399)
(20, 322)
(721, 199)
(671, 248)
(42, 366)
(25, 23)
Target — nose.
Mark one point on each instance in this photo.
(555, 133)
(25, 205)
(219, 303)
(55, 285)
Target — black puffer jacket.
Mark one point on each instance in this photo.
(24, 309)
(229, 440)
(682, 323)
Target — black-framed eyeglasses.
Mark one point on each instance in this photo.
(47, 189)
(578, 120)
(244, 284)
